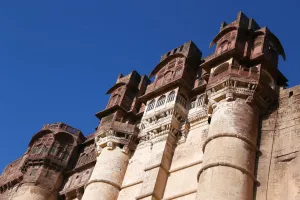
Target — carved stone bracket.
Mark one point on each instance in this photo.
(110, 138)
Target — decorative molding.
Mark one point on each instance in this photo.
(180, 195)
(131, 184)
(225, 164)
(198, 162)
(102, 181)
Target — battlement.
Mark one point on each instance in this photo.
(188, 49)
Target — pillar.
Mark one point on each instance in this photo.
(229, 153)
(108, 174)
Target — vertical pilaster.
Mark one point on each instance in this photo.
(157, 170)
(229, 153)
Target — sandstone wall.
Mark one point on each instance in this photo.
(278, 166)
(182, 181)
(32, 192)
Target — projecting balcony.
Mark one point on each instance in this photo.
(224, 71)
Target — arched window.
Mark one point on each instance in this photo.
(45, 149)
(168, 76)
(65, 155)
(193, 103)
(151, 105)
(161, 101)
(171, 97)
(200, 101)
(37, 149)
(54, 149)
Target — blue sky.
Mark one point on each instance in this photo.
(58, 58)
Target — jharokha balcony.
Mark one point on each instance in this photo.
(226, 70)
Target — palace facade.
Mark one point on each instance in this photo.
(221, 127)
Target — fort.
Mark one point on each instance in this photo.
(220, 127)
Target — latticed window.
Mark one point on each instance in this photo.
(36, 149)
(45, 149)
(161, 101)
(171, 97)
(200, 101)
(53, 149)
(178, 72)
(159, 80)
(193, 104)
(151, 105)
(65, 155)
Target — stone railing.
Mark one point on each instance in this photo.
(236, 71)
(60, 125)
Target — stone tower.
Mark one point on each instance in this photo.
(116, 137)
(223, 127)
(243, 83)
(47, 157)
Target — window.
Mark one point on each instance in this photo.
(33, 150)
(200, 101)
(193, 104)
(151, 105)
(168, 76)
(172, 64)
(178, 72)
(65, 155)
(53, 149)
(159, 80)
(45, 149)
(171, 97)
(36, 150)
(161, 101)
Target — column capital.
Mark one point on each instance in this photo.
(117, 134)
(252, 92)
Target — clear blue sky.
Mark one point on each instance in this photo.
(58, 58)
